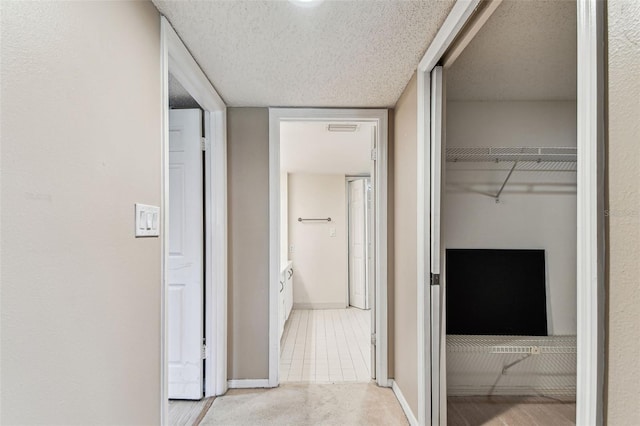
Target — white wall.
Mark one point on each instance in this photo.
(537, 209)
(319, 260)
(81, 130)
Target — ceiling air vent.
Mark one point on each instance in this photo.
(342, 127)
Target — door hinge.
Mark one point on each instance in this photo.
(435, 279)
(373, 339)
(204, 144)
(374, 154)
(204, 351)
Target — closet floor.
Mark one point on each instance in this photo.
(510, 410)
(326, 346)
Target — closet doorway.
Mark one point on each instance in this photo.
(193, 233)
(503, 203)
(328, 246)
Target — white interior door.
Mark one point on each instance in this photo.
(369, 263)
(438, 335)
(357, 244)
(185, 267)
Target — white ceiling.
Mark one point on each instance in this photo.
(307, 147)
(337, 54)
(525, 51)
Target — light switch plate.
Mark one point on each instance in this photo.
(147, 220)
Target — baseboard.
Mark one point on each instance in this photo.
(404, 404)
(248, 383)
(319, 306)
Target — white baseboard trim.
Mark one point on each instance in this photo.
(404, 404)
(248, 383)
(319, 306)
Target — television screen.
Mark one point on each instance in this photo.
(496, 292)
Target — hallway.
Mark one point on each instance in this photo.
(326, 346)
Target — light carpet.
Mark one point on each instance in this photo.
(308, 404)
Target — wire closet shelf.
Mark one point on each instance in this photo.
(511, 159)
(523, 158)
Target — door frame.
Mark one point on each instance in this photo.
(590, 204)
(379, 117)
(175, 58)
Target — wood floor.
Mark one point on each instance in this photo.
(509, 411)
(326, 346)
(188, 413)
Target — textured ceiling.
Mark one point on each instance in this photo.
(525, 51)
(307, 147)
(337, 54)
(178, 95)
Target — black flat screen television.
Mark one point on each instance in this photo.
(496, 292)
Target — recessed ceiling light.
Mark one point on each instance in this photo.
(342, 127)
(306, 3)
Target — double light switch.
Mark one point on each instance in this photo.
(147, 221)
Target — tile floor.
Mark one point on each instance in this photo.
(326, 346)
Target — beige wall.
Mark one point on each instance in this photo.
(81, 120)
(623, 371)
(248, 198)
(405, 245)
(319, 259)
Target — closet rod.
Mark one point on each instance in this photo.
(328, 219)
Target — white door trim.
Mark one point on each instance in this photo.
(590, 221)
(590, 213)
(460, 13)
(380, 118)
(175, 58)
